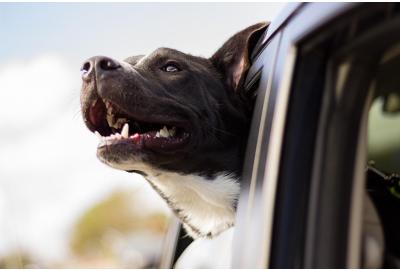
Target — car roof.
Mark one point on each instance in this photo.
(287, 12)
(313, 15)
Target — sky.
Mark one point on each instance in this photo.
(49, 173)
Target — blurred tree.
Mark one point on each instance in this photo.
(16, 260)
(117, 216)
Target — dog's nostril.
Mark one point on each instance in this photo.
(86, 67)
(108, 64)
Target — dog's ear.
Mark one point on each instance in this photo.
(233, 58)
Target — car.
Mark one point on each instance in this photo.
(326, 125)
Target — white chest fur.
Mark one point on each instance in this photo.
(205, 206)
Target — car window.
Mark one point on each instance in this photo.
(383, 181)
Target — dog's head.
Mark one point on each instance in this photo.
(171, 110)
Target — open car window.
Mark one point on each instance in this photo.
(383, 177)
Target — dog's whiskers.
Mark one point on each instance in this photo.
(223, 131)
(77, 113)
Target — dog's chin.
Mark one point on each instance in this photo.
(130, 162)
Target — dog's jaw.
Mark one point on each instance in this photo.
(206, 206)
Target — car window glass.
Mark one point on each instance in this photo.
(383, 181)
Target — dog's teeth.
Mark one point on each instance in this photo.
(158, 134)
(172, 131)
(98, 135)
(125, 131)
(164, 133)
(101, 138)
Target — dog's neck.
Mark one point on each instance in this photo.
(206, 206)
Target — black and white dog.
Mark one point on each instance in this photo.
(179, 120)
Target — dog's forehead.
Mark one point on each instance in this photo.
(167, 53)
(160, 55)
(134, 59)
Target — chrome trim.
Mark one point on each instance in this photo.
(274, 154)
(250, 199)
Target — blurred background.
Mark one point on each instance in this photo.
(59, 206)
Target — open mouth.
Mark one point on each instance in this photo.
(113, 126)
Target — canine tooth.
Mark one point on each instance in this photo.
(125, 131)
(158, 134)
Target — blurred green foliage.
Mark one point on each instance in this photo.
(384, 138)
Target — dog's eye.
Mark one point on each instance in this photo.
(170, 68)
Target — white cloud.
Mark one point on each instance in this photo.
(33, 90)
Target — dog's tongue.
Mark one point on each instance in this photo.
(97, 114)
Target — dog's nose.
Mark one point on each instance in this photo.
(98, 64)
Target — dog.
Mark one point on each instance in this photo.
(179, 120)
